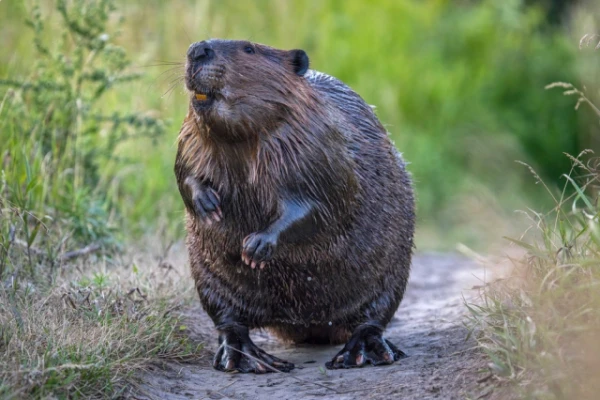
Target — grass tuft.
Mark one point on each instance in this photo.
(87, 335)
(540, 326)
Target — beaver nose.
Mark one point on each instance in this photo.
(200, 52)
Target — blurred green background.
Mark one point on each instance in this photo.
(458, 84)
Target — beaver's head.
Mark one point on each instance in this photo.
(239, 88)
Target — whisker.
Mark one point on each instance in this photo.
(170, 90)
(160, 65)
(178, 78)
(170, 70)
(198, 70)
(186, 33)
(169, 62)
(171, 77)
(157, 65)
(176, 69)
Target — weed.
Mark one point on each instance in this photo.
(87, 337)
(75, 320)
(539, 327)
(57, 137)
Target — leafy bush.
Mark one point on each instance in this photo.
(57, 137)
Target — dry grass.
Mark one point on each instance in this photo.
(87, 334)
(540, 327)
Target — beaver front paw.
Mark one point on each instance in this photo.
(207, 204)
(366, 346)
(258, 248)
(237, 353)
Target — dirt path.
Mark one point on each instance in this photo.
(428, 327)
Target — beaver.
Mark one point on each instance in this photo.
(299, 209)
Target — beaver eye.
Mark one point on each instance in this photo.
(249, 49)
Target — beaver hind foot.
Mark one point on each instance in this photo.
(366, 346)
(237, 353)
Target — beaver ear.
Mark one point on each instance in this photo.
(299, 61)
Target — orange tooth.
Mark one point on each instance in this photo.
(200, 97)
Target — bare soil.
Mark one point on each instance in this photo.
(441, 364)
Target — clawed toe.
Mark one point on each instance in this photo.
(366, 346)
(237, 354)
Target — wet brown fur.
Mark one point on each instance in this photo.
(274, 132)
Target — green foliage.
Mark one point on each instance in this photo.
(57, 136)
(540, 327)
(459, 86)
